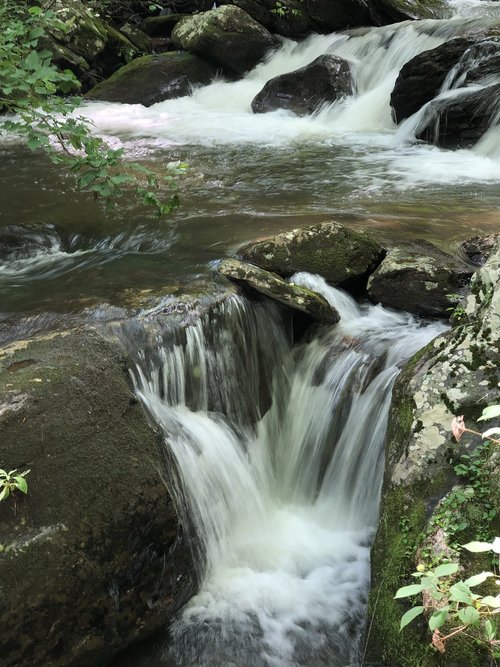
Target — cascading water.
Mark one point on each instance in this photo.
(283, 509)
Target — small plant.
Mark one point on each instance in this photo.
(457, 312)
(283, 11)
(10, 482)
(444, 600)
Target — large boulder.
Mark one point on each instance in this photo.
(302, 91)
(161, 26)
(466, 60)
(90, 48)
(419, 278)
(339, 254)
(294, 296)
(227, 37)
(426, 509)
(93, 558)
(461, 120)
(153, 79)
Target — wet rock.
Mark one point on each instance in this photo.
(271, 285)
(186, 6)
(419, 278)
(457, 374)
(227, 37)
(91, 48)
(292, 19)
(93, 558)
(339, 254)
(154, 78)
(463, 61)
(477, 249)
(138, 38)
(302, 91)
(460, 121)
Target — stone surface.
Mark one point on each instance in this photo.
(154, 78)
(138, 38)
(302, 91)
(419, 278)
(457, 374)
(227, 37)
(460, 122)
(477, 249)
(93, 557)
(474, 57)
(161, 26)
(339, 254)
(267, 283)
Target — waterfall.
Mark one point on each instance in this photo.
(282, 501)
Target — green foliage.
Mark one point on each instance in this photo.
(31, 89)
(10, 482)
(454, 603)
(284, 11)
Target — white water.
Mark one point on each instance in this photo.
(284, 513)
(220, 114)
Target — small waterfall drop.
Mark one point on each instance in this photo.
(282, 503)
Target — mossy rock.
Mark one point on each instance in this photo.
(227, 37)
(271, 285)
(154, 78)
(339, 254)
(93, 557)
(457, 373)
(161, 26)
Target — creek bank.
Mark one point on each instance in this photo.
(95, 549)
(457, 374)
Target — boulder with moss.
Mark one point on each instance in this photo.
(226, 36)
(420, 278)
(339, 254)
(426, 508)
(154, 78)
(93, 557)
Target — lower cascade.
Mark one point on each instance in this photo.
(282, 503)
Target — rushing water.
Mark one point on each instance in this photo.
(251, 174)
(283, 511)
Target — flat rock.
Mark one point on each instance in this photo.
(271, 285)
(339, 254)
(419, 278)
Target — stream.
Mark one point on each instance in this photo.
(278, 446)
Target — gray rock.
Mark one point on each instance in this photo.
(339, 254)
(419, 278)
(138, 38)
(161, 26)
(267, 283)
(302, 91)
(457, 374)
(93, 557)
(227, 37)
(477, 249)
(154, 78)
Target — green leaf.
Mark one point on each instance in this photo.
(457, 594)
(22, 484)
(478, 579)
(491, 431)
(4, 493)
(491, 601)
(446, 569)
(407, 591)
(478, 547)
(490, 412)
(438, 618)
(490, 629)
(409, 616)
(469, 615)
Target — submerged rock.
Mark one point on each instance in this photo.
(93, 557)
(153, 79)
(302, 91)
(227, 37)
(457, 374)
(339, 254)
(419, 278)
(267, 283)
